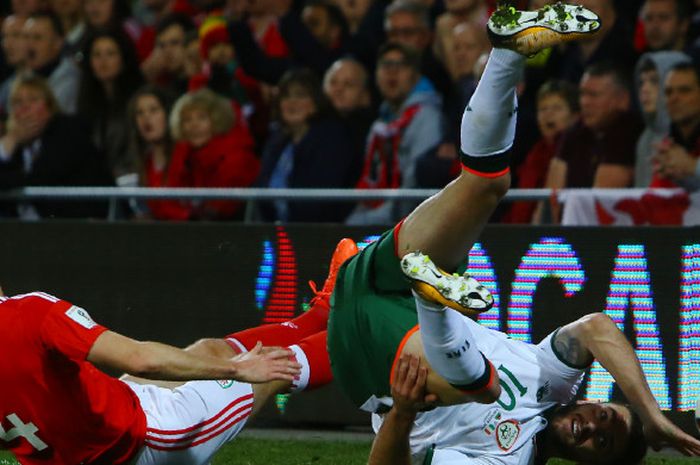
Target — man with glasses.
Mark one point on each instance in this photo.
(410, 123)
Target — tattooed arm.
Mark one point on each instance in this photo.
(596, 336)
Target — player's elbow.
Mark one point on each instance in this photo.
(596, 323)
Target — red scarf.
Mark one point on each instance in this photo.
(381, 168)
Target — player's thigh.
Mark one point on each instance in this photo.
(188, 425)
(436, 384)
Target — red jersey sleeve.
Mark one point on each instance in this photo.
(70, 330)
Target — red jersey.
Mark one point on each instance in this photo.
(55, 406)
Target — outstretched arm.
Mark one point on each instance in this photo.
(391, 446)
(596, 336)
(154, 360)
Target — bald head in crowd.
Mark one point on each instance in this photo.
(346, 85)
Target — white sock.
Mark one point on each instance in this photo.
(488, 122)
(449, 344)
(300, 383)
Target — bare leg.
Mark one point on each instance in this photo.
(446, 225)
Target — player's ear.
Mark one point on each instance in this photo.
(2, 293)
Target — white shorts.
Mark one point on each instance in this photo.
(189, 424)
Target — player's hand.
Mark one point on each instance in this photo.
(261, 365)
(408, 388)
(661, 432)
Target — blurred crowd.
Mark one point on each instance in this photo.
(330, 94)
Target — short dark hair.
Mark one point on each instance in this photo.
(646, 65)
(564, 89)
(174, 19)
(410, 57)
(335, 14)
(619, 75)
(683, 8)
(52, 18)
(688, 67)
(310, 82)
(412, 7)
(636, 442)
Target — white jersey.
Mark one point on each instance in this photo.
(533, 379)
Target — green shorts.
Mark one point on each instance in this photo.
(372, 310)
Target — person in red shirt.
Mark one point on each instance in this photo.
(214, 149)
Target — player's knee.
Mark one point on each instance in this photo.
(496, 187)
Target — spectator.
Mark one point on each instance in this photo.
(407, 23)
(313, 41)
(166, 64)
(469, 49)
(458, 12)
(469, 44)
(675, 162)
(107, 14)
(354, 12)
(151, 145)
(650, 74)
(599, 150)
(213, 149)
(557, 111)
(222, 75)
(325, 22)
(43, 147)
(110, 74)
(306, 149)
(115, 15)
(193, 58)
(409, 125)
(665, 24)
(44, 38)
(346, 85)
(14, 45)
(612, 42)
(71, 14)
(27, 8)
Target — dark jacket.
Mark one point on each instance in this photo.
(323, 158)
(67, 157)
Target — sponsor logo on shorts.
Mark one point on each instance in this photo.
(507, 433)
(81, 317)
(491, 420)
(225, 383)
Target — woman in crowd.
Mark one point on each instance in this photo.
(151, 146)
(110, 75)
(214, 149)
(306, 148)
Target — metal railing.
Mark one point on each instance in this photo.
(114, 194)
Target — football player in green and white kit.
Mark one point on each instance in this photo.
(498, 401)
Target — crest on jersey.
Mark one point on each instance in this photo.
(225, 383)
(491, 420)
(81, 317)
(507, 433)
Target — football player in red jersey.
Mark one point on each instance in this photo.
(59, 408)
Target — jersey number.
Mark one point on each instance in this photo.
(522, 390)
(23, 430)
